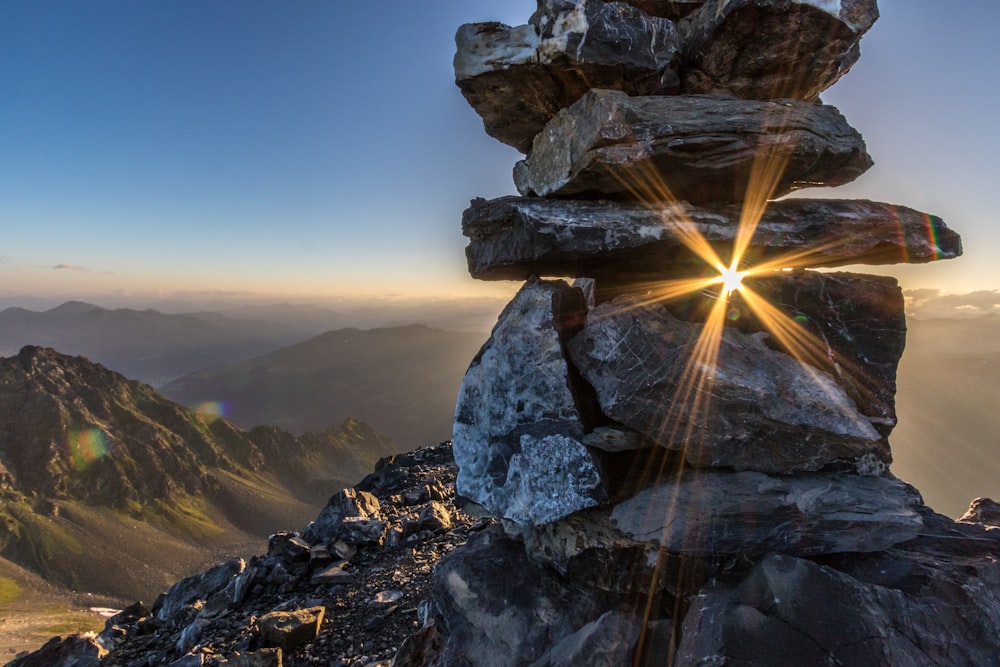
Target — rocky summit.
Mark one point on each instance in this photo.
(688, 447)
(683, 457)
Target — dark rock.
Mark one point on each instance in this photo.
(608, 640)
(189, 660)
(741, 405)
(775, 617)
(769, 49)
(702, 513)
(265, 657)
(72, 651)
(984, 511)
(518, 425)
(497, 608)
(290, 629)
(852, 326)
(518, 78)
(695, 148)
(513, 238)
(288, 546)
(670, 9)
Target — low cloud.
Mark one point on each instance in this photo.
(929, 303)
(71, 267)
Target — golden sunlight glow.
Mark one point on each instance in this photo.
(731, 279)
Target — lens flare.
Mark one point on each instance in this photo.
(211, 411)
(86, 446)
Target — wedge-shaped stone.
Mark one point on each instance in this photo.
(769, 49)
(518, 78)
(512, 238)
(750, 513)
(724, 399)
(853, 326)
(695, 148)
(518, 430)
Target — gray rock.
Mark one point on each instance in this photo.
(769, 49)
(288, 630)
(695, 148)
(517, 422)
(333, 575)
(348, 505)
(748, 408)
(608, 640)
(202, 586)
(705, 513)
(513, 238)
(794, 611)
(498, 608)
(518, 78)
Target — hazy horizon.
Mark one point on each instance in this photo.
(158, 150)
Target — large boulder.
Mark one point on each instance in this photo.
(517, 78)
(695, 148)
(768, 49)
(518, 418)
(513, 238)
(719, 396)
(853, 326)
(711, 513)
(496, 607)
(940, 611)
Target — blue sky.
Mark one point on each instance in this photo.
(320, 148)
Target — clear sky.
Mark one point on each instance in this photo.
(320, 147)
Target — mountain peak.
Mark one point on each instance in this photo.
(73, 308)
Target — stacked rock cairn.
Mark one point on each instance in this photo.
(699, 406)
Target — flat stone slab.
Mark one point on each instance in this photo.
(518, 428)
(694, 148)
(713, 512)
(513, 238)
(517, 78)
(767, 49)
(748, 408)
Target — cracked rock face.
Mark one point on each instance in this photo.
(695, 148)
(749, 408)
(518, 428)
(513, 238)
(517, 78)
(794, 611)
(717, 512)
(769, 49)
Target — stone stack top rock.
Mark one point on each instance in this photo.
(518, 78)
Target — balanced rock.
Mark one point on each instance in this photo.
(695, 148)
(853, 326)
(518, 427)
(741, 405)
(749, 513)
(518, 78)
(770, 49)
(513, 238)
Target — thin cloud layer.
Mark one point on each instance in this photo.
(930, 303)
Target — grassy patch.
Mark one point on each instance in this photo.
(9, 591)
(185, 513)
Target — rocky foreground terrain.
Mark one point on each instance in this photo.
(392, 572)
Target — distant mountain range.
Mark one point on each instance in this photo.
(107, 486)
(402, 380)
(144, 345)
